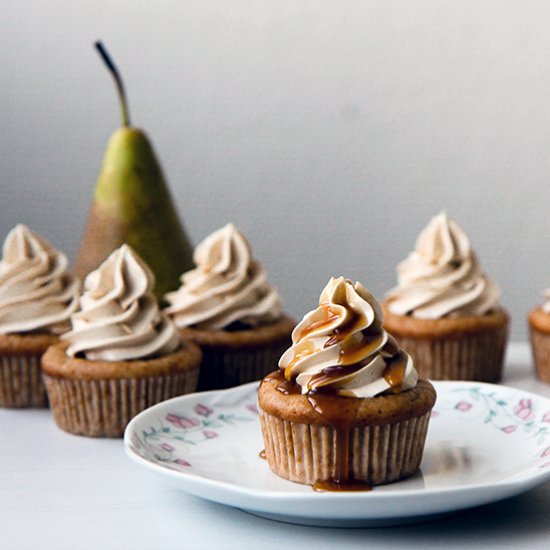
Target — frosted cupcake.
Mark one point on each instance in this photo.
(122, 354)
(445, 311)
(346, 409)
(539, 328)
(37, 297)
(227, 307)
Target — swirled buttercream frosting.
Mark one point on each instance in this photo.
(37, 293)
(442, 277)
(226, 287)
(546, 305)
(341, 347)
(119, 319)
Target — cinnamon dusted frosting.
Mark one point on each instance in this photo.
(342, 347)
(442, 277)
(120, 319)
(227, 286)
(37, 294)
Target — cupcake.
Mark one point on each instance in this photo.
(37, 297)
(122, 354)
(539, 328)
(346, 409)
(227, 307)
(445, 311)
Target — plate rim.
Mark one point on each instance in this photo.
(193, 481)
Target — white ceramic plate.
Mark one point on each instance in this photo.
(485, 443)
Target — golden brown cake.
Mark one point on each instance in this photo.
(99, 398)
(315, 439)
(226, 306)
(122, 354)
(345, 410)
(37, 297)
(539, 328)
(445, 311)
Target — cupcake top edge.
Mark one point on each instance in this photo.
(119, 318)
(37, 292)
(341, 347)
(442, 277)
(227, 287)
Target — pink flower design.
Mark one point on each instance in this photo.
(509, 429)
(203, 410)
(166, 447)
(434, 414)
(252, 408)
(546, 417)
(182, 462)
(182, 421)
(523, 409)
(546, 452)
(463, 406)
(545, 465)
(209, 434)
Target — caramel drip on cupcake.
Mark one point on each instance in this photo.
(341, 347)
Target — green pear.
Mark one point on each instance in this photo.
(132, 204)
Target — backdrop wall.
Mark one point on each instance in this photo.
(329, 132)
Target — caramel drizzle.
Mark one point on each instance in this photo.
(394, 373)
(306, 349)
(329, 317)
(333, 485)
(339, 413)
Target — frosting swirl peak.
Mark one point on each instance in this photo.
(442, 276)
(341, 346)
(227, 286)
(36, 291)
(120, 319)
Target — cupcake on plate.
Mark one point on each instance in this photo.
(445, 311)
(227, 307)
(122, 354)
(37, 297)
(539, 329)
(346, 409)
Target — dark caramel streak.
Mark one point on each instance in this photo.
(394, 373)
(330, 375)
(330, 316)
(325, 485)
(353, 350)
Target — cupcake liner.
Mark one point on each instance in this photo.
(540, 345)
(469, 357)
(103, 407)
(379, 454)
(225, 368)
(21, 381)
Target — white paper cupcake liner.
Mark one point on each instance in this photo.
(376, 454)
(103, 408)
(21, 381)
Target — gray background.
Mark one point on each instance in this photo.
(328, 131)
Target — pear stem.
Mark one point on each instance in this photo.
(118, 82)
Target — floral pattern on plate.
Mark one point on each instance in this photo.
(506, 413)
(485, 443)
(173, 435)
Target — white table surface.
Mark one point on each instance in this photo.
(61, 491)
